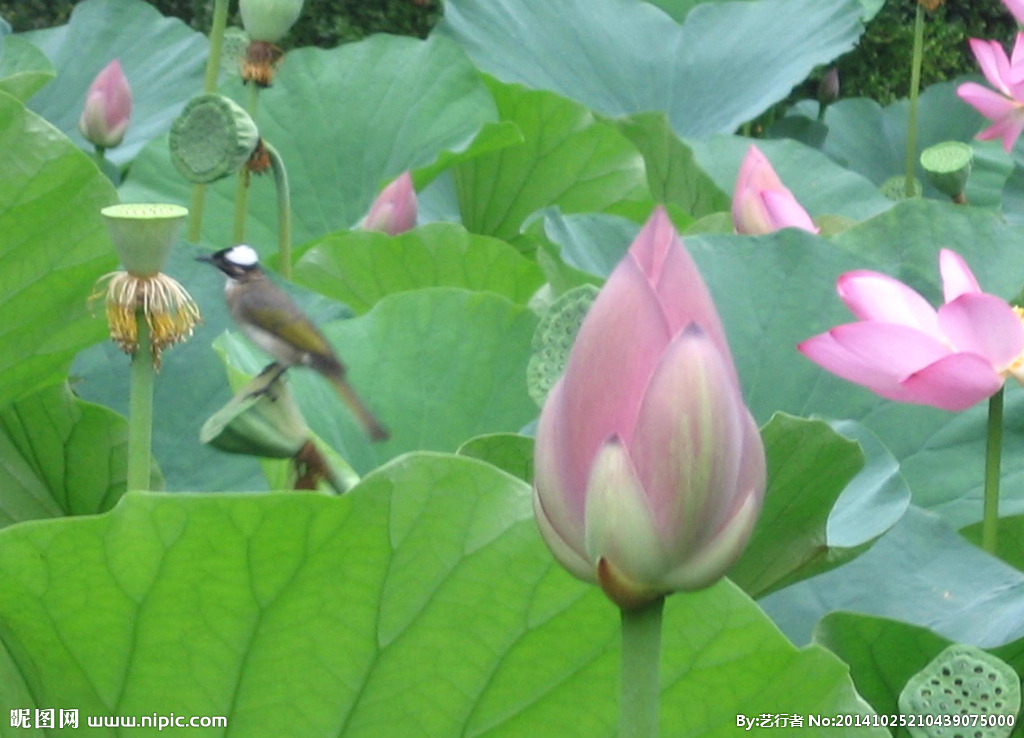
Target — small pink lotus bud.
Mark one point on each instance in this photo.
(108, 107)
(650, 470)
(761, 203)
(394, 210)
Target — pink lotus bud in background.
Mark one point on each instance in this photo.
(1004, 108)
(650, 470)
(394, 210)
(828, 87)
(108, 107)
(905, 350)
(761, 203)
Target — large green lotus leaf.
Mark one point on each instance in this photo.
(358, 268)
(679, 9)
(821, 186)
(567, 158)
(23, 68)
(380, 106)
(1009, 541)
(872, 140)
(162, 58)
(672, 172)
(60, 456)
(725, 65)
(53, 249)
(919, 572)
(302, 614)
(438, 366)
(804, 528)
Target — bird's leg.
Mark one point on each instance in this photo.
(275, 371)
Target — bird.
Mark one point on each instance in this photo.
(278, 326)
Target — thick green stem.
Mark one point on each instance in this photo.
(220, 22)
(641, 657)
(284, 212)
(140, 410)
(244, 176)
(915, 87)
(993, 452)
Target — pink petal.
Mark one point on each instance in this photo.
(955, 382)
(785, 212)
(757, 173)
(394, 210)
(983, 324)
(674, 277)
(990, 104)
(879, 356)
(1008, 129)
(878, 297)
(957, 277)
(688, 441)
(1016, 7)
(993, 62)
(616, 350)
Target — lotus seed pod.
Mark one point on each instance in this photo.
(269, 20)
(143, 234)
(948, 166)
(963, 681)
(553, 339)
(212, 138)
(895, 188)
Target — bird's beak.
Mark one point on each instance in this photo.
(205, 257)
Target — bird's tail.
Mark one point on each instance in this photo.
(367, 419)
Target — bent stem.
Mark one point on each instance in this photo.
(284, 212)
(915, 86)
(641, 656)
(140, 410)
(244, 175)
(993, 451)
(220, 22)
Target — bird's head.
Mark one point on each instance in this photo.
(238, 262)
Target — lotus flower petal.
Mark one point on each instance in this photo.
(878, 297)
(985, 325)
(957, 277)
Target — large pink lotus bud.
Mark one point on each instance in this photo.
(108, 107)
(761, 203)
(649, 468)
(394, 210)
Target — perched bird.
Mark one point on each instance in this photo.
(276, 324)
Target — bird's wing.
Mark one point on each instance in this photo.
(275, 312)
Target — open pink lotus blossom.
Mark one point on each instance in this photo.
(905, 350)
(1004, 106)
(394, 210)
(761, 203)
(650, 470)
(108, 107)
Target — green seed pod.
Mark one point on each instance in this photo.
(553, 339)
(963, 681)
(948, 166)
(260, 420)
(269, 20)
(143, 234)
(895, 188)
(212, 138)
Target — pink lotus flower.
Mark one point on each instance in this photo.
(394, 210)
(650, 470)
(1004, 108)
(761, 203)
(108, 107)
(905, 350)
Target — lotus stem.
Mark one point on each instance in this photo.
(640, 690)
(219, 23)
(915, 87)
(244, 176)
(993, 452)
(140, 409)
(284, 211)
